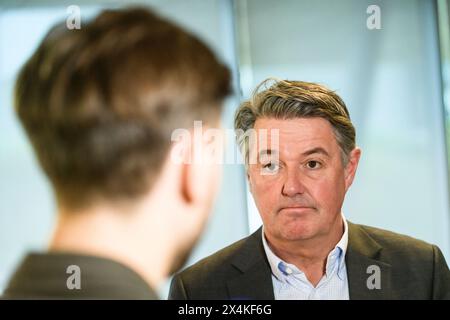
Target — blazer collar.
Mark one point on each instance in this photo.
(364, 264)
(362, 258)
(255, 280)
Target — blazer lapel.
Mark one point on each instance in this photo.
(255, 280)
(362, 258)
(364, 268)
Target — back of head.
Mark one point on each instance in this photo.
(99, 104)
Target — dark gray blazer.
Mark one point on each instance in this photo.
(44, 276)
(410, 269)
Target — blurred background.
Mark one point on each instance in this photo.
(394, 78)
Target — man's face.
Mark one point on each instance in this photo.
(299, 195)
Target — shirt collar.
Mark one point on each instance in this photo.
(343, 243)
(281, 269)
(340, 250)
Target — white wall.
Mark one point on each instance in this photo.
(390, 81)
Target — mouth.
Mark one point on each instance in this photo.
(296, 210)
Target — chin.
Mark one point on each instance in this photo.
(298, 231)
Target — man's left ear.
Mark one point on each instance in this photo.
(352, 165)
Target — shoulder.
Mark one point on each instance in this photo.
(417, 268)
(396, 245)
(207, 279)
(219, 261)
(393, 238)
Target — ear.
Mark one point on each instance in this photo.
(201, 173)
(352, 165)
(179, 162)
(194, 181)
(249, 180)
(186, 181)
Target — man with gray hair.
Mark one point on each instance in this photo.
(301, 159)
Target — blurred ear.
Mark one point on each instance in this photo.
(352, 165)
(186, 181)
(180, 158)
(249, 180)
(201, 171)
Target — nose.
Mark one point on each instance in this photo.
(293, 185)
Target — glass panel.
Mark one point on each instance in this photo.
(389, 79)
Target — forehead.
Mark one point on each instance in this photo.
(296, 135)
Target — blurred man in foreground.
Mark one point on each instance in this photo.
(301, 160)
(100, 105)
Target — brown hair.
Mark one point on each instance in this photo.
(286, 99)
(99, 104)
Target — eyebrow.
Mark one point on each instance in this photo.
(306, 153)
(316, 150)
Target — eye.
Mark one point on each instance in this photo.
(313, 165)
(271, 167)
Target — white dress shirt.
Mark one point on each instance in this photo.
(290, 283)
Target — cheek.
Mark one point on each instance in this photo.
(265, 194)
(328, 192)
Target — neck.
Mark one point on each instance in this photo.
(125, 237)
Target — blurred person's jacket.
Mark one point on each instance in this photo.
(46, 276)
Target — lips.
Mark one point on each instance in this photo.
(295, 209)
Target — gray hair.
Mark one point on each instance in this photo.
(286, 99)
